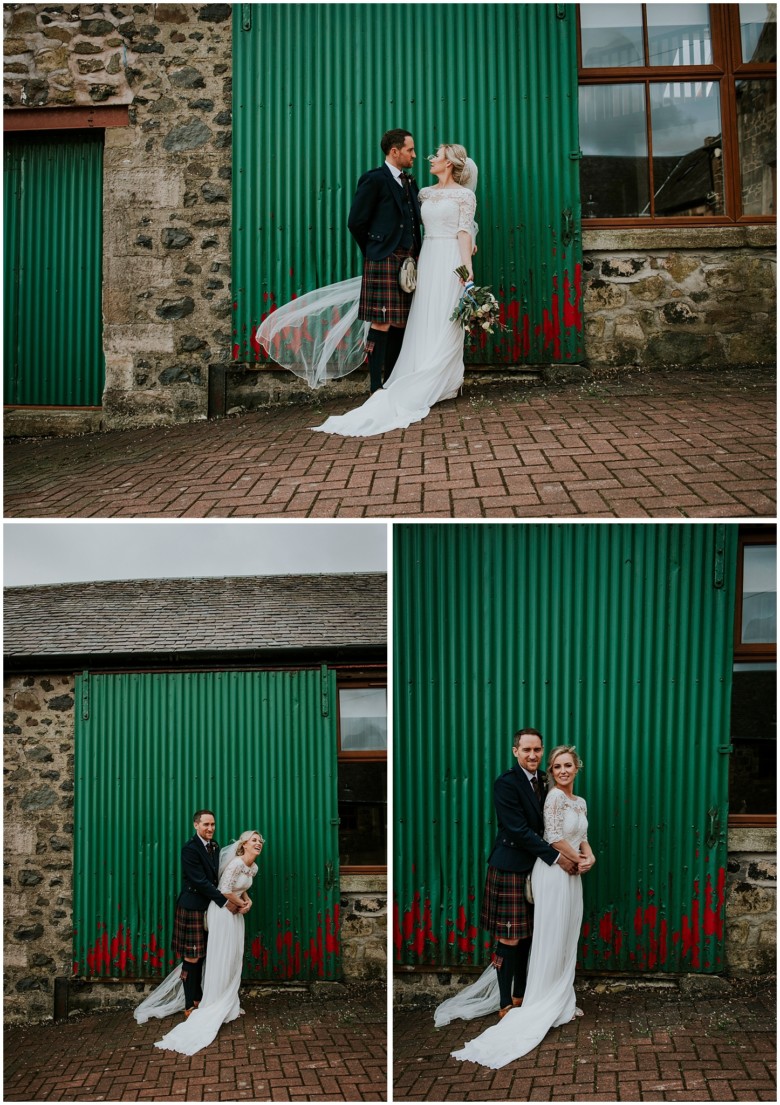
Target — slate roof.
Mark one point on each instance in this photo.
(295, 613)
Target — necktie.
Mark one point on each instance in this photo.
(537, 788)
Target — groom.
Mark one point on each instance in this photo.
(518, 795)
(385, 222)
(200, 872)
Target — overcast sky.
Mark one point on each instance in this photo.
(65, 552)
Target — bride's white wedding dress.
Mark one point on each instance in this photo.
(221, 974)
(430, 365)
(549, 993)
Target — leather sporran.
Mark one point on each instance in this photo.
(407, 274)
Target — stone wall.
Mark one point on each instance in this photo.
(167, 184)
(699, 297)
(364, 926)
(38, 838)
(751, 902)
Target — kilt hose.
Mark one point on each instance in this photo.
(381, 297)
(189, 934)
(505, 912)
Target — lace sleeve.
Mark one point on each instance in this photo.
(230, 875)
(553, 817)
(423, 195)
(467, 205)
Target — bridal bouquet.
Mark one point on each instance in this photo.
(477, 310)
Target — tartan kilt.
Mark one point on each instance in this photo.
(505, 912)
(189, 934)
(381, 296)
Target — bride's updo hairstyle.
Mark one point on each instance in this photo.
(244, 838)
(457, 157)
(560, 750)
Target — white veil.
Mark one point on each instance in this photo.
(477, 1000)
(318, 336)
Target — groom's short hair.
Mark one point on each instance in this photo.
(199, 813)
(526, 733)
(394, 139)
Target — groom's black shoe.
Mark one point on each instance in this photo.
(376, 358)
(395, 339)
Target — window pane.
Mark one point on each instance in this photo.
(759, 595)
(363, 719)
(613, 137)
(611, 35)
(757, 127)
(679, 34)
(752, 766)
(687, 161)
(363, 813)
(758, 26)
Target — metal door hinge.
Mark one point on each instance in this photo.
(330, 875)
(567, 232)
(720, 556)
(726, 749)
(714, 833)
(85, 695)
(575, 155)
(324, 691)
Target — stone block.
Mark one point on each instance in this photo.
(680, 266)
(649, 289)
(599, 295)
(149, 338)
(628, 329)
(147, 187)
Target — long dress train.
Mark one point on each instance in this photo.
(430, 365)
(221, 975)
(549, 994)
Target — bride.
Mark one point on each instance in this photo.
(549, 993)
(224, 960)
(320, 336)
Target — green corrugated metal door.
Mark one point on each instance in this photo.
(500, 78)
(615, 638)
(53, 217)
(257, 747)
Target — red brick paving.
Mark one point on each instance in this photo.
(645, 1044)
(289, 1047)
(671, 444)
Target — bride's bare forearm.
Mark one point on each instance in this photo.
(465, 244)
(565, 849)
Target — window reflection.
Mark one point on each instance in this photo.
(757, 129)
(758, 30)
(679, 34)
(611, 35)
(363, 713)
(613, 137)
(687, 148)
(759, 595)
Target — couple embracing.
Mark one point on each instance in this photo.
(413, 347)
(532, 905)
(209, 917)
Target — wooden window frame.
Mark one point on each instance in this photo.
(346, 681)
(726, 70)
(751, 535)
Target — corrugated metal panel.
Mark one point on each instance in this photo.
(500, 78)
(615, 638)
(257, 747)
(53, 264)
